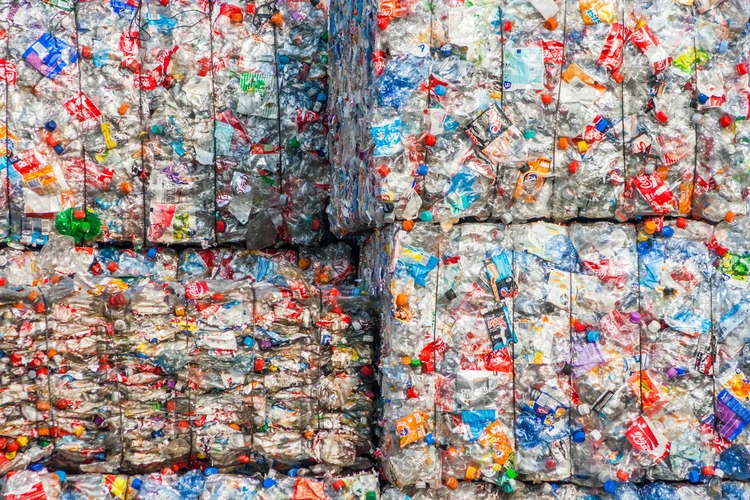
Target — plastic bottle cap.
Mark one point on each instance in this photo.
(729, 217)
(429, 140)
(210, 471)
(472, 473)
(277, 19)
(383, 170)
(440, 90)
(672, 372)
(550, 464)
(136, 484)
(371, 495)
(123, 109)
(61, 475)
(412, 393)
(338, 484)
(741, 69)
(50, 126)
(609, 486)
(662, 117)
(452, 483)
(511, 474)
(583, 409)
(269, 483)
(425, 216)
(592, 336)
(408, 225)
(422, 169)
(622, 475)
(702, 98)
(508, 26)
(582, 146)
(429, 439)
(667, 231)
(562, 143)
(697, 119)
(654, 326)
(506, 218)
(602, 125)
(694, 475)
(547, 98)
(635, 317)
(649, 227)
(550, 24)
(529, 134)
(707, 470)
(725, 121)
(579, 436)
(402, 300)
(547, 488)
(595, 435)
(719, 473)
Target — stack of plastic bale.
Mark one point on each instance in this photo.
(522, 137)
(25, 418)
(722, 44)
(84, 371)
(109, 38)
(589, 167)
(731, 309)
(677, 344)
(248, 170)
(659, 66)
(346, 388)
(543, 261)
(287, 366)
(221, 360)
(605, 351)
(46, 117)
(472, 356)
(302, 60)
(175, 86)
(408, 356)
(150, 333)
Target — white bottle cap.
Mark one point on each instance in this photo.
(595, 435)
(583, 409)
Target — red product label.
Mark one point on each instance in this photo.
(8, 72)
(82, 107)
(553, 51)
(154, 78)
(648, 44)
(378, 60)
(656, 193)
(129, 45)
(644, 437)
(611, 54)
(196, 289)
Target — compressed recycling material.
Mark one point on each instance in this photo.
(513, 110)
(189, 122)
(594, 353)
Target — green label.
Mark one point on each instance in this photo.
(256, 83)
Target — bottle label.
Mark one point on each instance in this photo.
(523, 68)
(643, 436)
(656, 193)
(598, 11)
(734, 318)
(499, 327)
(731, 416)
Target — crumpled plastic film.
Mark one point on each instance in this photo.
(472, 355)
(677, 349)
(46, 118)
(589, 160)
(246, 117)
(231, 264)
(176, 116)
(543, 260)
(606, 352)
(109, 38)
(533, 48)
(409, 454)
(721, 183)
(659, 65)
(84, 378)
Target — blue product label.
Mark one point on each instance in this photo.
(731, 416)
(687, 320)
(101, 58)
(475, 421)
(387, 138)
(734, 318)
(50, 55)
(523, 68)
(123, 6)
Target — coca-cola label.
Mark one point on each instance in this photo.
(8, 72)
(82, 107)
(644, 437)
(656, 193)
(611, 55)
(196, 289)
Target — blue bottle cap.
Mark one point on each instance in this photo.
(694, 475)
(426, 216)
(101, 456)
(36, 467)
(268, 483)
(157, 129)
(284, 59)
(210, 471)
(50, 126)
(609, 486)
(529, 134)
(446, 50)
(440, 90)
(59, 149)
(667, 231)
(356, 292)
(602, 125)
(136, 483)
(152, 253)
(157, 434)
(429, 439)
(322, 97)
(702, 98)
(592, 336)
(723, 46)
(292, 472)
(579, 436)
(61, 475)
(248, 341)
(422, 169)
